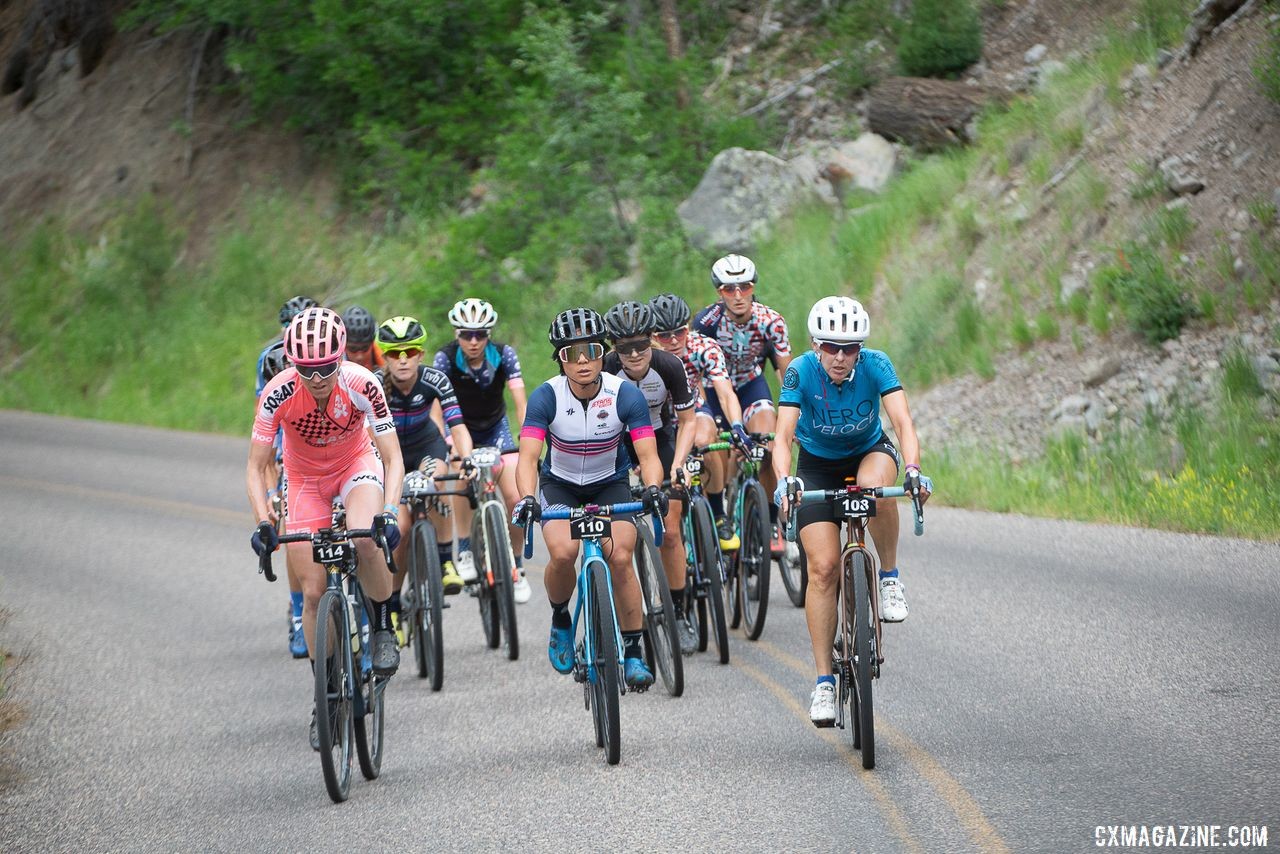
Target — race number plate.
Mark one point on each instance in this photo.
(485, 457)
(582, 527)
(857, 505)
(757, 453)
(693, 466)
(331, 554)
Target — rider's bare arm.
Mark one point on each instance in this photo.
(728, 400)
(392, 464)
(258, 478)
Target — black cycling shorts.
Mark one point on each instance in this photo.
(436, 449)
(822, 473)
(559, 495)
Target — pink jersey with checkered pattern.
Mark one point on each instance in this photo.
(703, 363)
(319, 442)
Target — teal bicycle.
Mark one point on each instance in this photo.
(597, 661)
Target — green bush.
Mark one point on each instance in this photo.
(1155, 301)
(942, 37)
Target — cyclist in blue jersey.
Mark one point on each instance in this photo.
(581, 416)
(272, 361)
(830, 405)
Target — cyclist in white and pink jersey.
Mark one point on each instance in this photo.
(326, 407)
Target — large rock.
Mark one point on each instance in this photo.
(741, 196)
(867, 162)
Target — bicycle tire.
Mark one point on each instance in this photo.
(795, 574)
(607, 693)
(711, 606)
(333, 663)
(861, 708)
(729, 560)
(661, 633)
(754, 560)
(501, 565)
(427, 623)
(486, 596)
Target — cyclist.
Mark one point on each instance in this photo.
(830, 405)
(326, 407)
(479, 369)
(750, 333)
(583, 414)
(661, 379)
(705, 367)
(270, 362)
(361, 331)
(411, 389)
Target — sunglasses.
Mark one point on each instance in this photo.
(671, 335)
(473, 334)
(736, 289)
(631, 348)
(832, 349)
(318, 372)
(411, 353)
(591, 349)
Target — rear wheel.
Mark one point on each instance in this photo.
(794, 572)
(333, 694)
(605, 693)
(710, 608)
(754, 560)
(659, 613)
(854, 584)
(427, 601)
(501, 564)
(490, 617)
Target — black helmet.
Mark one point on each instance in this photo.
(669, 312)
(274, 361)
(576, 324)
(360, 325)
(628, 319)
(294, 306)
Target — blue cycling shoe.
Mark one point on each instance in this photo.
(560, 650)
(297, 640)
(638, 674)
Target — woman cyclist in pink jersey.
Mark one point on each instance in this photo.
(326, 406)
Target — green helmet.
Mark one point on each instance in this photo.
(402, 333)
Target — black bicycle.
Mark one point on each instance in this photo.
(859, 646)
(747, 569)
(350, 701)
(661, 634)
(495, 560)
(422, 601)
(704, 586)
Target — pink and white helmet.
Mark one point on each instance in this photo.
(315, 337)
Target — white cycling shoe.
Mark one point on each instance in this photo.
(822, 709)
(466, 566)
(521, 589)
(893, 601)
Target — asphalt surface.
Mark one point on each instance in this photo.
(1052, 678)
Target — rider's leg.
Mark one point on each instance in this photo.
(626, 587)
(510, 497)
(821, 543)
(672, 549)
(363, 502)
(764, 420)
(311, 578)
(562, 553)
(880, 469)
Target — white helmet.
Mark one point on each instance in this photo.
(840, 320)
(472, 313)
(733, 270)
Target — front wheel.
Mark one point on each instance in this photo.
(369, 727)
(854, 584)
(501, 567)
(659, 613)
(754, 560)
(426, 618)
(606, 691)
(795, 572)
(707, 549)
(333, 663)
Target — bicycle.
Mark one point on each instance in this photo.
(597, 651)
(350, 706)
(661, 634)
(422, 601)
(858, 650)
(495, 561)
(747, 569)
(704, 586)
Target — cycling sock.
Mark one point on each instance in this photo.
(445, 551)
(716, 499)
(892, 573)
(395, 601)
(464, 544)
(827, 678)
(677, 599)
(560, 617)
(631, 645)
(295, 599)
(382, 612)
(520, 559)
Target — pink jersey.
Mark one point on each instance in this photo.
(322, 442)
(703, 362)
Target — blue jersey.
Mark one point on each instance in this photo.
(838, 420)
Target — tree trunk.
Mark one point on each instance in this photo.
(675, 44)
(925, 112)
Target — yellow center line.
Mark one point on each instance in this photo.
(958, 800)
(203, 512)
(877, 788)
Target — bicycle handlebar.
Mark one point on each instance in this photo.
(593, 510)
(833, 494)
(325, 535)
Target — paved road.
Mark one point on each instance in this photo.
(1053, 677)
